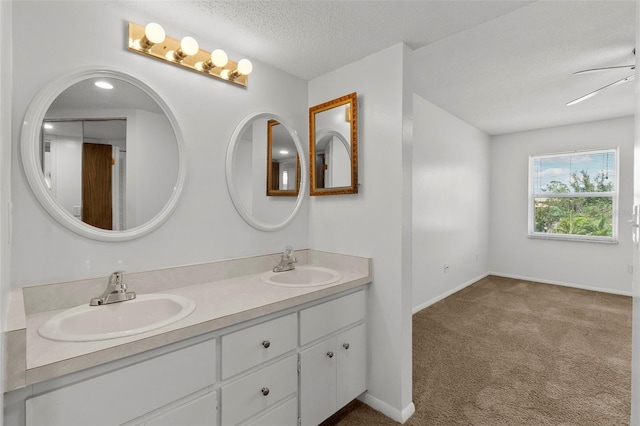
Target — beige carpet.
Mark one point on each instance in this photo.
(510, 352)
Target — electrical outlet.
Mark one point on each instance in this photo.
(630, 269)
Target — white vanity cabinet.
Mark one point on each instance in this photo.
(333, 366)
(272, 370)
(178, 382)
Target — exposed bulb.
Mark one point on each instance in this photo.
(154, 33)
(219, 58)
(189, 46)
(245, 67)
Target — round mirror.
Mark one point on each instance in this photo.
(248, 166)
(103, 154)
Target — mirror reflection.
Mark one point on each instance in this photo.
(247, 156)
(108, 154)
(333, 146)
(283, 163)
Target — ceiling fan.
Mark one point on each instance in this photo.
(608, 86)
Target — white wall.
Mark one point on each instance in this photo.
(5, 174)
(595, 266)
(371, 223)
(635, 330)
(450, 203)
(205, 225)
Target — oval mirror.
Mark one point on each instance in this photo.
(248, 166)
(333, 146)
(103, 154)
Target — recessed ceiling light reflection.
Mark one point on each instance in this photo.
(103, 85)
(284, 152)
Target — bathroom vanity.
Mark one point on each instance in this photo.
(250, 353)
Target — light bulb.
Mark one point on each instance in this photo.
(154, 33)
(225, 74)
(245, 67)
(189, 46)
(219, 58)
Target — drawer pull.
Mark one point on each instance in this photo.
(330, 354)
(346, 346)
(266, 344)
(265, 391)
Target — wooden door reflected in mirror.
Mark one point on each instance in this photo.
(283, 162)
(333, 146)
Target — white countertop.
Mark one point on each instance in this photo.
(220, 304)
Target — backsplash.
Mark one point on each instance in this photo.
(42, 298)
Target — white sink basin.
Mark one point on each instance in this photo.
(144, 313)
(302, 276)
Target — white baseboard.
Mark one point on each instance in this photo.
(564, 284)
(448, 293)
(400, 416)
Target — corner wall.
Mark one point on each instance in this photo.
(450, 203)
(373, 223)
(205, 225)
(594, 266)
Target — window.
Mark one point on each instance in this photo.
(574, 195)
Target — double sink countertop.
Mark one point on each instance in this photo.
(226, 293)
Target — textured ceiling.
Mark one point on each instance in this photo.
(516, 72)
(502, 66)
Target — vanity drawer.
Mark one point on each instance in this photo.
(258, 391)
(331, 316)
(254, 345)
(284, 415)
(122, 395)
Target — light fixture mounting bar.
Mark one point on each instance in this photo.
(164, 52)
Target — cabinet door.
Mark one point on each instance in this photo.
(351, 352)
(318, 382)
(197, 412)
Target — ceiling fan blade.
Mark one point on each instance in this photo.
(595, 92)
(631, 67)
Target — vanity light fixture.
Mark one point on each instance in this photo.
(152, 41)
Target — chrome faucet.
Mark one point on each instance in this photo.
(116, 291)
(286, 260)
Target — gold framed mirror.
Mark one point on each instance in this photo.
(283, 162)
(333, 146)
